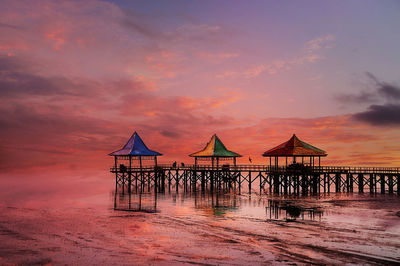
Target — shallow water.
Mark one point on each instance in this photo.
(72, 221)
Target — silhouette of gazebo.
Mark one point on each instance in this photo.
(215, 151)
(294, 148)
(135, 151)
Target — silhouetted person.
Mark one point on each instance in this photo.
(182, 164)
(174, 165)
(250, 160)
(122, 168)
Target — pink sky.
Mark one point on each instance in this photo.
(78, 77)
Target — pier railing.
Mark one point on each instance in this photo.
(264, 168)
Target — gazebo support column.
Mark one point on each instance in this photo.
(130, 175)
(270, 163)
(141, 175)
(212, 175)
(116, 182)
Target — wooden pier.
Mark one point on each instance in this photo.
(302, 180)
(136, 169)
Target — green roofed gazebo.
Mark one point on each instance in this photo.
(215, 151)
(294, 148)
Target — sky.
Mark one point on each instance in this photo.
(77, 78)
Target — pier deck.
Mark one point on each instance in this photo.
(300, 179)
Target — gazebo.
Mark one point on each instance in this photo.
(135, 151)
(215, 151)
(294, 148)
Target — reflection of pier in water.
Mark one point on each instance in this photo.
(142, 202)
(217, 204)
(291, 210)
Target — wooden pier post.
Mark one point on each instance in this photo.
(184, 181)
(371, 183)
(303, 184)
(315, 183)
(141, 174)
(329, 183)
(116, 189)
(123, 182)
(148, 181)
(240, 182)
(130, 175)
(360, 183)
(382, 178)
(177, 180)
(194, 179)
(163, 181)
(270, 182)
(212, 181)
(338, 184)
(169, 181)
(390, 180)
(276, 183)
(398, 184)
(285, 184)
(351, 182)
(250, 182)
(261, 181)
(203, 181)
(155, 182)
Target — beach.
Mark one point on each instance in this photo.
(75, 223)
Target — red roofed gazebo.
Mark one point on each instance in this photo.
(294, 148)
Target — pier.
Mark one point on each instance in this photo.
(215, 170)
(259, 178)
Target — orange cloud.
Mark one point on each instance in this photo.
(57, 36)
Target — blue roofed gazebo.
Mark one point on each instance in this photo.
(135, 151)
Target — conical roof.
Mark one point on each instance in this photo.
(135, 147)
(215, 148)
(295, 147)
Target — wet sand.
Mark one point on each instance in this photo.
(191, 229)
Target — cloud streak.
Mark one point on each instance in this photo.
(380, 115)
(385, 97)
(310, 55)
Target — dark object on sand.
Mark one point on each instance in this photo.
(293, 211)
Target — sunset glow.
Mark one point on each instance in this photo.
(79, 77)
(209, 132)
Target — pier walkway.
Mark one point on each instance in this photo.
(293, 179)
